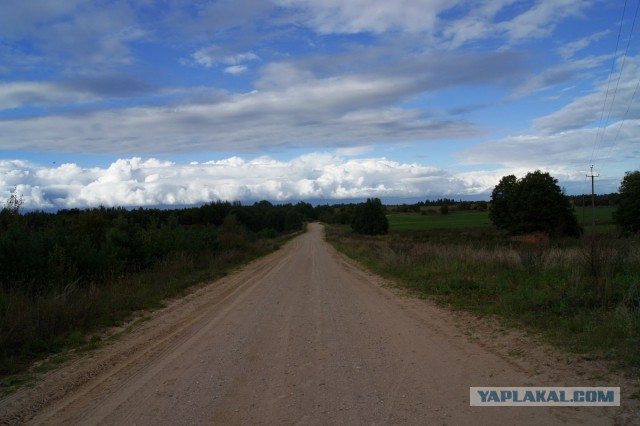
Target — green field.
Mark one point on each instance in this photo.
(604, 215)
(474, 219)
(418, 222)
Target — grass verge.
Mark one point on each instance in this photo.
(582, 295)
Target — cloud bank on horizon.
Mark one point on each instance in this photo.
(315, 177)
(180, 102)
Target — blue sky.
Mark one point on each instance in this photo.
(177, 102)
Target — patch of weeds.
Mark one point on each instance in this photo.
(15, 380)
(10, 384)
(115, 336)
(92, 344)
(75, 339)
(51, 363)
(144, 318)
(58, 359)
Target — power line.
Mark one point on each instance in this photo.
(615, 92)
(615, 139)
(606, 96)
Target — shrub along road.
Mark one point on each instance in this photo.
(305, 336)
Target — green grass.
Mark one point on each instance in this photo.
(420, 222)
(603, 217)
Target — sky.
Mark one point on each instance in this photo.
(176, 102)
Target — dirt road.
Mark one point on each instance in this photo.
(302, 336)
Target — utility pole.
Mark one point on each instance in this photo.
(593, 200)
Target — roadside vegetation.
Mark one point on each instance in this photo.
(579, 296)
(67, 275)
(580, 293)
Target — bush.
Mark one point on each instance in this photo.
(369, 218)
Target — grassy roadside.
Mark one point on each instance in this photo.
(53, 327)
(577, 296)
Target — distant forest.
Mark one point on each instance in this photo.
(612, 199)
(576, 200)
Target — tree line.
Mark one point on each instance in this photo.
(40, 250)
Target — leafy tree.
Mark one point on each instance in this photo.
(534, 203)
(369, 218)
(503, 198)
(628, 214)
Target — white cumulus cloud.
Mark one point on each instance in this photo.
(151, 182)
